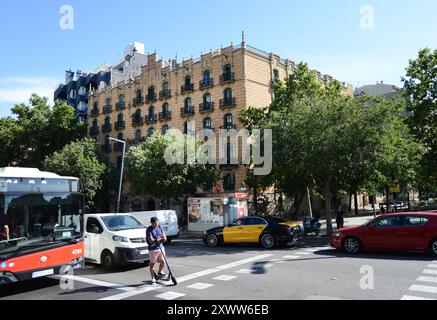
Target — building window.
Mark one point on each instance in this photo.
(229, 182)
(227, 69)
(107, 121)
(164, 129)
(187, 81)
(138, 116)
(187, 104)
(138, 94)
(151, 111)
(73, 94)
(165, 87)
(185, 128)
(207, 99)
(138, 136)
(150, 132)
(228, 121)
(82, 91)
(95, 123)
(227, 94)
(120, 118)
(120, 136)
(206, 77)
(165, 108)
(207, 123)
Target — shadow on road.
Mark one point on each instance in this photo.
(377, 255)
(27, 286)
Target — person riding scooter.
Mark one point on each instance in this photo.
(155, 237)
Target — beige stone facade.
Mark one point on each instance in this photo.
(239, 76)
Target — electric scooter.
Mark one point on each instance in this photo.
(170, 273)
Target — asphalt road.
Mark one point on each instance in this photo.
(306, 271)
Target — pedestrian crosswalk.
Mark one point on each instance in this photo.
(427, 290)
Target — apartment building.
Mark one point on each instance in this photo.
(208, 92)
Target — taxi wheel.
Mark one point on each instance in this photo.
(212, 240)
(352, 245)
(268, 241)
(433, 247)
(108, 261)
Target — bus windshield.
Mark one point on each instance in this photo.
(32, 220)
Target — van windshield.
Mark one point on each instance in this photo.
(119, 223)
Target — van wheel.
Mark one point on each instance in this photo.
(108, 261)
(433, 247)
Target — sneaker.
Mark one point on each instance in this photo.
(162, 275)
(153, 281)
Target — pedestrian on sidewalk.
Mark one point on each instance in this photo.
(339, 217)
(155, 237)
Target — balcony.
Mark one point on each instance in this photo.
(151, 118)
(229, 126)
(151, 98)
(95, 112)
(107, 109)
(120, 125)
(106, 128)
(165, 94)
(227, 77)
(188, 87)
(206, 83)
(164, 116)
(94, 131)
(137, 122)
(120, 105)
(206, 107)
(187, 111)
(228, 103)
(138, 101)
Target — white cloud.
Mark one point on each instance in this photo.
(18, 90)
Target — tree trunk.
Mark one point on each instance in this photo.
(386, 199)
(408, 201)
(373, 206)
(356, 203)
(255, 201)
(350, 202)
(328, 196)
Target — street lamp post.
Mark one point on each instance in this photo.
(121, 173)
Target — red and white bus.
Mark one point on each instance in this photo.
(41, 224)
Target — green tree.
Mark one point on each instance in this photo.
(9, 147)
(39, 130)
(149, 172)
(79, 159)
(420, 85)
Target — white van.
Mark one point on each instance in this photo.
(113, 240)
(168, 219)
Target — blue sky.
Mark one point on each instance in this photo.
(35, 51)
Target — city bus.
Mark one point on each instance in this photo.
(41, 224)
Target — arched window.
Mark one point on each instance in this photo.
(120, 118)
(206, 77)
(120, 136)
(151, 94)
(121, 98)
(150, 132)
(228, 120)
(207, 123)
(107, 141)
(187, 81)
(227, 69)
(187, 104)
(138, 136)
(165, 86)
(207, 99)
(95, 123)
(138, 115)
(227, 94)
(138, 94)
(165, 108)
(151, 111)
(164, 129)
(107, 121)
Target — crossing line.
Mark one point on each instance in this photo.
(420, 288)
(415, 298)
(200, 286)
(428, 271)
(170, 295)
(427, 279)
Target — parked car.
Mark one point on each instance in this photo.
(168, 219)
(406, 232)
(268, 231)
(113, 240)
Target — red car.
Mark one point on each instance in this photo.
(408, 232)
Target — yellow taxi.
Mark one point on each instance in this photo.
(268, 231)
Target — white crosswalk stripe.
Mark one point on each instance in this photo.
(290, 257)
(428, 271)
(427, 279)
(224, 278)
(200, 286)
(432, 266)
(244, 271)
(415, 298)
(420, 288)
(302, 253)
(170, 295)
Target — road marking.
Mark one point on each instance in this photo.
(200, 286)
(427, 271)
(290, 257)
(170, 295)
(432, 266)
(189, 277)
(428, 289)
(94, 282)
(302, 253)
(427, 279)
(244, 271)
(415, 298)
(224, 278)
(268, 265)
